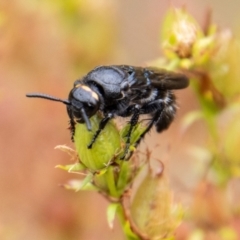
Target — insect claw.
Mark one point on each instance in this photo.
(89, 146)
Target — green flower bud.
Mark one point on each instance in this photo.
(179, 33)
(151, 207)
(103, 151)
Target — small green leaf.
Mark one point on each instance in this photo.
(129, 233)
(124, 175)
(86, 180)
(110, 180)
(76, 167)
(76, 185)
(111, 213)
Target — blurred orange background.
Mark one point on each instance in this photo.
(44, 47)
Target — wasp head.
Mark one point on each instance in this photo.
(84, 104)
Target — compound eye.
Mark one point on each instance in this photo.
(90, 106)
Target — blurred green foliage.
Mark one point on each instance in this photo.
(210, 57)
(88, 29)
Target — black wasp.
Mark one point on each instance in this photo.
(124, 91)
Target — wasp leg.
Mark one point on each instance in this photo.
(102, 125)
(133, 123)
(72, 123)
(157, 108)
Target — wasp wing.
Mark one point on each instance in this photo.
(166, 80)
(136, 77)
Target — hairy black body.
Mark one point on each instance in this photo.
(124, 91)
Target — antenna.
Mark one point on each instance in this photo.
(46, 96)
